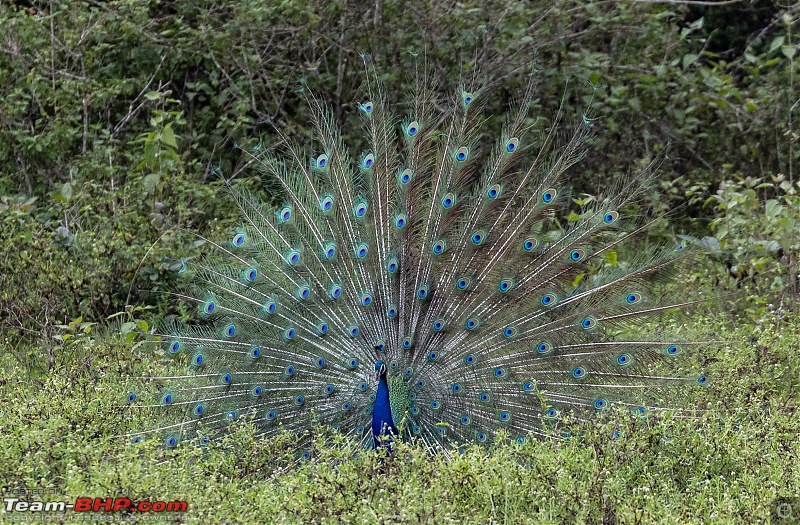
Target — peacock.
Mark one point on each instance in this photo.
(428, 289)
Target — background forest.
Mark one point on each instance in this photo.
(117, 117)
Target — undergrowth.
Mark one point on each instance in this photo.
(724, 459)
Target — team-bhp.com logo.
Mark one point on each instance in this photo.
(16, 504)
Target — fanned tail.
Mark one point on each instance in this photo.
(437, 254)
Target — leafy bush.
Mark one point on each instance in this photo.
(756, 235)
(726, 462)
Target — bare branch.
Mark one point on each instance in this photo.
(131, 111)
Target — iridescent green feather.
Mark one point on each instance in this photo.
(399, 402)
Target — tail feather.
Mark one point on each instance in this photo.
(436, 256)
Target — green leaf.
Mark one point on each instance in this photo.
(152, 95)
(789, 51)
(150, 182)
(64, 193)
(611, 257)
(168, 137)
(773, 208)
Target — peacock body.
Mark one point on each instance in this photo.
(421, 290)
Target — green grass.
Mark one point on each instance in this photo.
(727, 465)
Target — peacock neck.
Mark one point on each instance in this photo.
(382, 423)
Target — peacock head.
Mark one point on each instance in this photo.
(380, 369)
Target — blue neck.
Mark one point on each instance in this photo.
(382, 413)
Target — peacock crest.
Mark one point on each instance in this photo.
(422, 288)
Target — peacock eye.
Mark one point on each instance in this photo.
(292, 257)
(284, 214)
(549, 195)
(405, 176)
(367, 161)
(326, 203)
(529, 244)
(366, 299)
